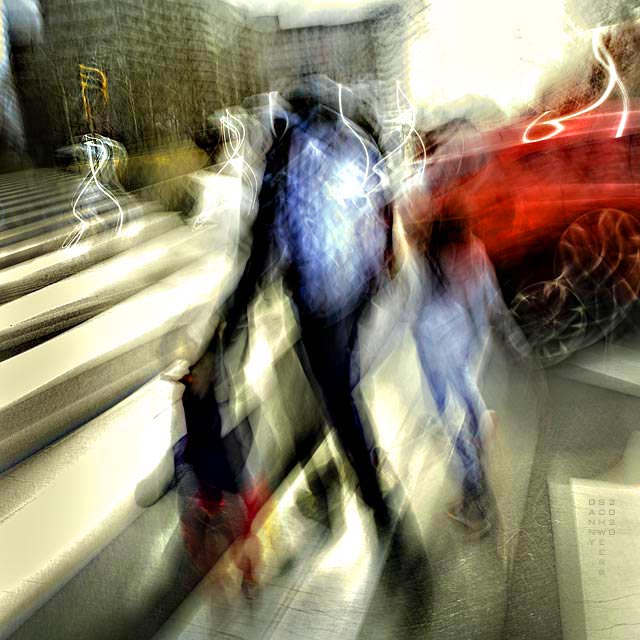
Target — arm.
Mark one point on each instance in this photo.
(507, 328)
(499, 315)
(234, 311)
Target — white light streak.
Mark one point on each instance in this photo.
(407, 116)
(234, 136)
(273, 95)
(100, 152)
(606, 61)
(360, 140)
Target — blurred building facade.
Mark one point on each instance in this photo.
(151, 70)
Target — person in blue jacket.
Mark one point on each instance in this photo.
(324, 223)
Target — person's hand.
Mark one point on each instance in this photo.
(522, 354)
(200, 376)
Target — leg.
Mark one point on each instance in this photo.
(434, 375)
(302, 429)
(468, 444)
(432, 363)
(443, 376)
(329, 358)
(218, 461)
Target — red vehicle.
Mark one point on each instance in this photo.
(557, 205)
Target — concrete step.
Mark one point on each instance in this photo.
(37, 316)
(33, 181)
(44, 270)
(62, 506)
(40, 220)
(58, 193)
(614, 366)
(50, 389)
(45, 236)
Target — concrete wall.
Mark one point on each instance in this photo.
(345, 53)
(171, 63)
(168, 64)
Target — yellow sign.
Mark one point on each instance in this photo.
(92, 78)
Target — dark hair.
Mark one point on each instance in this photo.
(314, 90)
(447, 181)
(449, 227)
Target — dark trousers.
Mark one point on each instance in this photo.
(218, 462)
(326, 353)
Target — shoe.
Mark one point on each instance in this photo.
(385, 519)
(313, 508)
(255, 500)
(472, 516)
(250, 589)
(208, 526)
(329, 475)
(387, 478)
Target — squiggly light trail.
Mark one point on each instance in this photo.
(360, 140)
(99, 152)
(606, 61)
(406, 116)
(234, 137)
(272, 102)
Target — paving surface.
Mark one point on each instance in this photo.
(427, 580)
